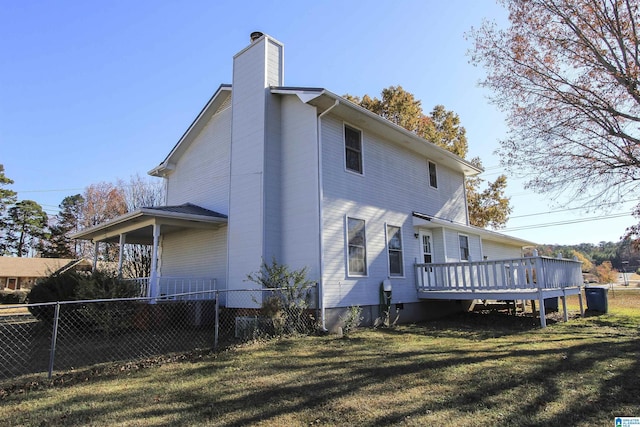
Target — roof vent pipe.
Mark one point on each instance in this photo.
(255, 36)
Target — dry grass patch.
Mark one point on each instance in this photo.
(473, 369)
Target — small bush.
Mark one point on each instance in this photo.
(288, 303)
(10, 296)
(57, 287)
(106, 317)
(74, 286)
(104, 285)
(351, 320)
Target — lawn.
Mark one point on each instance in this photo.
(473, 369)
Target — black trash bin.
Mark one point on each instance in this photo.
(551, 305)
(597, 298)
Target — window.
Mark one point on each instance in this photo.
(464, 248)
(394, 245)
(433, 175)
(357, 247)
(426, 249)
(353, 149)
(12, 283)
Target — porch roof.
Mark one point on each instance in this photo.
(427, 221)
(138, 225)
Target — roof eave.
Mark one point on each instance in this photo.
(166, 166)
(314, 95)
(471, 229)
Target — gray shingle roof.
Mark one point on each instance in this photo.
(188, 209)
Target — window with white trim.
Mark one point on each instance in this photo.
(433, 175)
(464, 247)
(356, 247)
(353, 149)
(12, 283)
(394, 247)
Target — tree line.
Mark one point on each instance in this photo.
(27, 230)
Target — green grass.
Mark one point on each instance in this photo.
(473, 369)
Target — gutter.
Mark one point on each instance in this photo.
(320, 217)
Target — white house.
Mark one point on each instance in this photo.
(303, 176)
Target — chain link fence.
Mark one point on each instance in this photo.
(44, 338)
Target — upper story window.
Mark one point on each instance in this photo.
(433, 175)
(394, 246)
(356, 246)
(353, 149)
(464, 247)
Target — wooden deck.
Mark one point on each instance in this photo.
(531, 278)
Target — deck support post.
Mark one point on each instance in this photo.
(564, 305)
(543, 314)
(580, 301)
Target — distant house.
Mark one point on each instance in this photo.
(306, 177)
(22, 273)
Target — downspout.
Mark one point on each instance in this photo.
(320, 217)
(466, 202)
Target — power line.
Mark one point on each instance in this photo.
(568, 222)
(571, 209)
(49, 191)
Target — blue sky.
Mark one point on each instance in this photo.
(101, 90)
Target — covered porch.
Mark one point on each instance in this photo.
(145, 226)
(533, 278)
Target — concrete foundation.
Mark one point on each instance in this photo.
(400, 313)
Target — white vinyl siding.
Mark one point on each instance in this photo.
(393, 187)
(195, 253)
(201, 175)
(299, 200)
(494, 250)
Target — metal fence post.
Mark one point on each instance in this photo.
(217, 320)
(54, 338)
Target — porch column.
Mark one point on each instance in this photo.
(123, 238)
(153, 280)
(95, 256)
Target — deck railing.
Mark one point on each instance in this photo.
(507, 274)
(178, 285)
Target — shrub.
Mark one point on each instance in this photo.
(287, 305)
(351, 320)
(104, 285)
(73, 286)
(57, 287)
(11, 296)
(107, 317)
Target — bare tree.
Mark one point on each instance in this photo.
(140, 193)
(566, 73)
